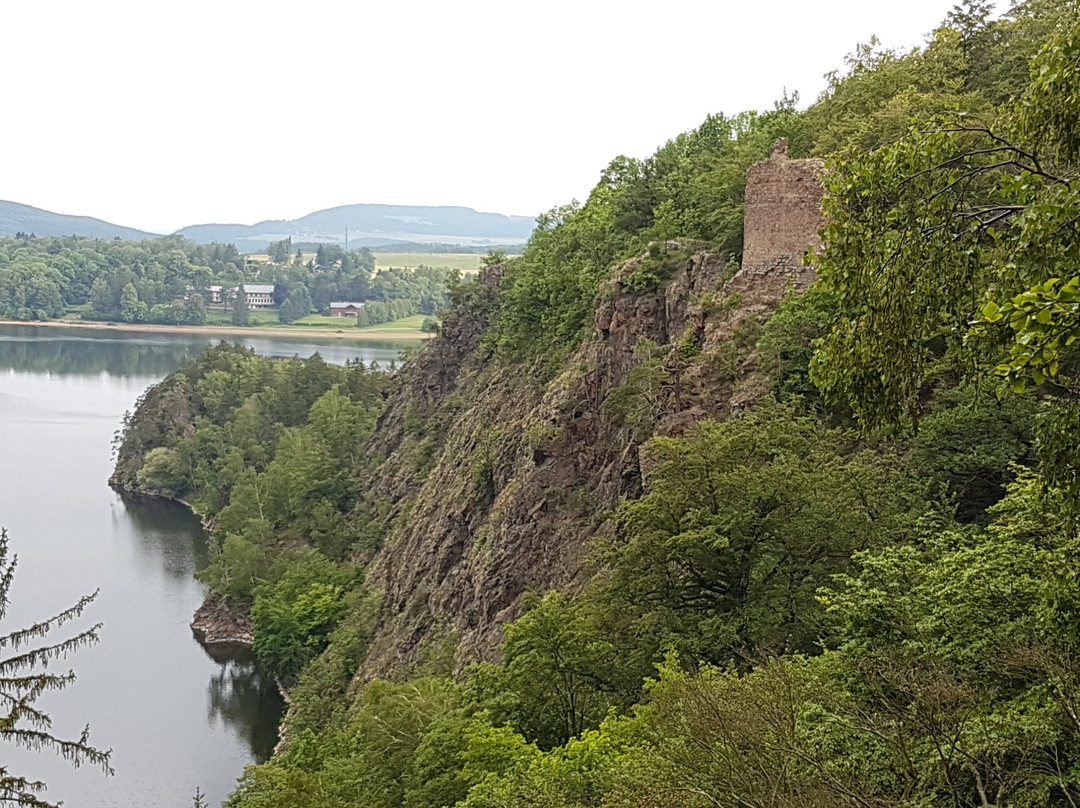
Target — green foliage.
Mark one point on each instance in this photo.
(162, 471)
(238, 563)
(168, 280)
(1049, 112)
(555, 681)
(40, 278)
(132, 310)
(970, 446)
(319, 700)
(292, 616)
(964, 627)
(266, 447)
(638, 403)
(241, 314)
(742, 521)
(994, 212)
(580, 773)
(874, 102)
(297, 304)
(971, 64)
(698, 179)
(392, 752)
(952, 679)
(494, 258)
(787, 341)
(717, 738)
(654, 270)
(884, 346)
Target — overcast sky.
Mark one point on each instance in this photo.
(162, 114)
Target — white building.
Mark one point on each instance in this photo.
(258, 295)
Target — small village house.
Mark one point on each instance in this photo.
(339, 308)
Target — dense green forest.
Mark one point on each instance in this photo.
(861, 591)
(165, 280)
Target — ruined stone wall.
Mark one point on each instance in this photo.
(783, 216)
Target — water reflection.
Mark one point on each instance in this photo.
(168, 533)
(240, 695)
(85, 352)
(85, 357)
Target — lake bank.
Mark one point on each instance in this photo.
(221, 626)
(284, 332)
(177, 713)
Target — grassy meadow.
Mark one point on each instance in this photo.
(466, 262)
(405, 328)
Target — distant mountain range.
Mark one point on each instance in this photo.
(367, 225)
(16, 218)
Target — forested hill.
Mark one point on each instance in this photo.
(667, 517)
(372, 225)
(16, 218)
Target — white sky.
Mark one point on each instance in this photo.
(159, 115)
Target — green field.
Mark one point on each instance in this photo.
(466, 262)
(404, 326)
(260, 317)
(264, 318)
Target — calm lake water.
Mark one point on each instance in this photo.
(175, 718)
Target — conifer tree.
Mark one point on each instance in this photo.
(240, 314)
(25, 656)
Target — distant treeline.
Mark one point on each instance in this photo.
(166, 280)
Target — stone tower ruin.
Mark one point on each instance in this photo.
(783, 216)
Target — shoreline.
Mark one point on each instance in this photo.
(351, 333)
(220, 625)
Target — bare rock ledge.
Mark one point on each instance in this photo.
(222, 622)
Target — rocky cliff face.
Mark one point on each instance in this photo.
(508, 493)
(495, 481)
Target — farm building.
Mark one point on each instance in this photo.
(340, 308)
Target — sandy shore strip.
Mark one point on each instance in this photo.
(285, 332)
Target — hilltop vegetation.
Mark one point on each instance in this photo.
(783, 550)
